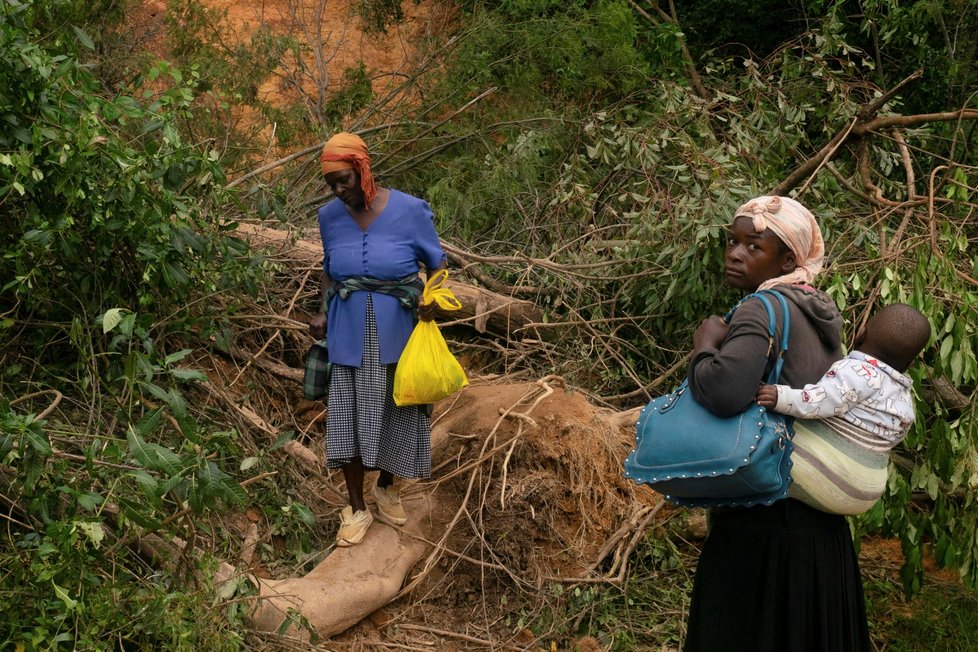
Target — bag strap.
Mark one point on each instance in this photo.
(775, 373)
(785, 330)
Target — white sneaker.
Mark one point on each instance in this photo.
(353, 527)
(389, 508)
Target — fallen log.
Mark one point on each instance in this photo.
(484, 310)
(346, 586)
(351, 583)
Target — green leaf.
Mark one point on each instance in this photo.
(248, 462)
(282, 440)
(38, 440)
(147, 481)
(7, 440)
(153, 456)
(127, 324)
(138, 514)
(111, 319)
(234, 492)
(176, 484)
(83, 37)
(156, 391)
(33, 466)
(946, 346)
(209, 475)
(188, 375)
(62, 595)
(304, 514)
(177, 357)
(957, 365)
(148, 424)
(90, 501)
(178, 404)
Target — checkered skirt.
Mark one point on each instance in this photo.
(363, 421)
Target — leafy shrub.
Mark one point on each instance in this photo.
(106, 203)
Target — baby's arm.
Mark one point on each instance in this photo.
(811, 402)
(833, 395)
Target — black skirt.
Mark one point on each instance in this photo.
(782, 578)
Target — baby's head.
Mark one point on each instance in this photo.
(896, 334)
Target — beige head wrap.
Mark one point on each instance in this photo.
(797, 228)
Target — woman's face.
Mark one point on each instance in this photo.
(345, 184)
(752, 258)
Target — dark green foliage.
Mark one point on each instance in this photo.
(574, 50)
(742, 28)
(939, 37)
(593, 172)
(93, 221)
(227, 68)
(108, 230)
(353, 95)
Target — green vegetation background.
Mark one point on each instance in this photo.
(608, 139)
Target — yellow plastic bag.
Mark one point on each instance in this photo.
(427, 371)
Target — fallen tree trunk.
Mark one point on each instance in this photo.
(484, 310)
(348, 585)
(527, 446)
(353, 582)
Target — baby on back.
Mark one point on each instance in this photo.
(850, 419)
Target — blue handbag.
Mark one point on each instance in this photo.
(697, 459)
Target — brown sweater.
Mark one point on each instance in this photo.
(725, 380)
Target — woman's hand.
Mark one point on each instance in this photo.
(426, 311)
(767, 396)
(710, 333)
(317, 327)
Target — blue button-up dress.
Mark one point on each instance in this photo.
(389, 249)
(368, 331)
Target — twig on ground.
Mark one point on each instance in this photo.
(48, 410)
(442, 632)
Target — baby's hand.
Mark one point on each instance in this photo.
(767, 396)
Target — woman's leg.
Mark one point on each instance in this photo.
(353, 475)
(388, 499)
(355, 519)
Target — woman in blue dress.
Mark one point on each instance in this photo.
(375, 241)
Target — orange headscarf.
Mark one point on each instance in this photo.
(345, 151)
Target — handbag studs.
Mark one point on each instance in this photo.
(681, 476)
